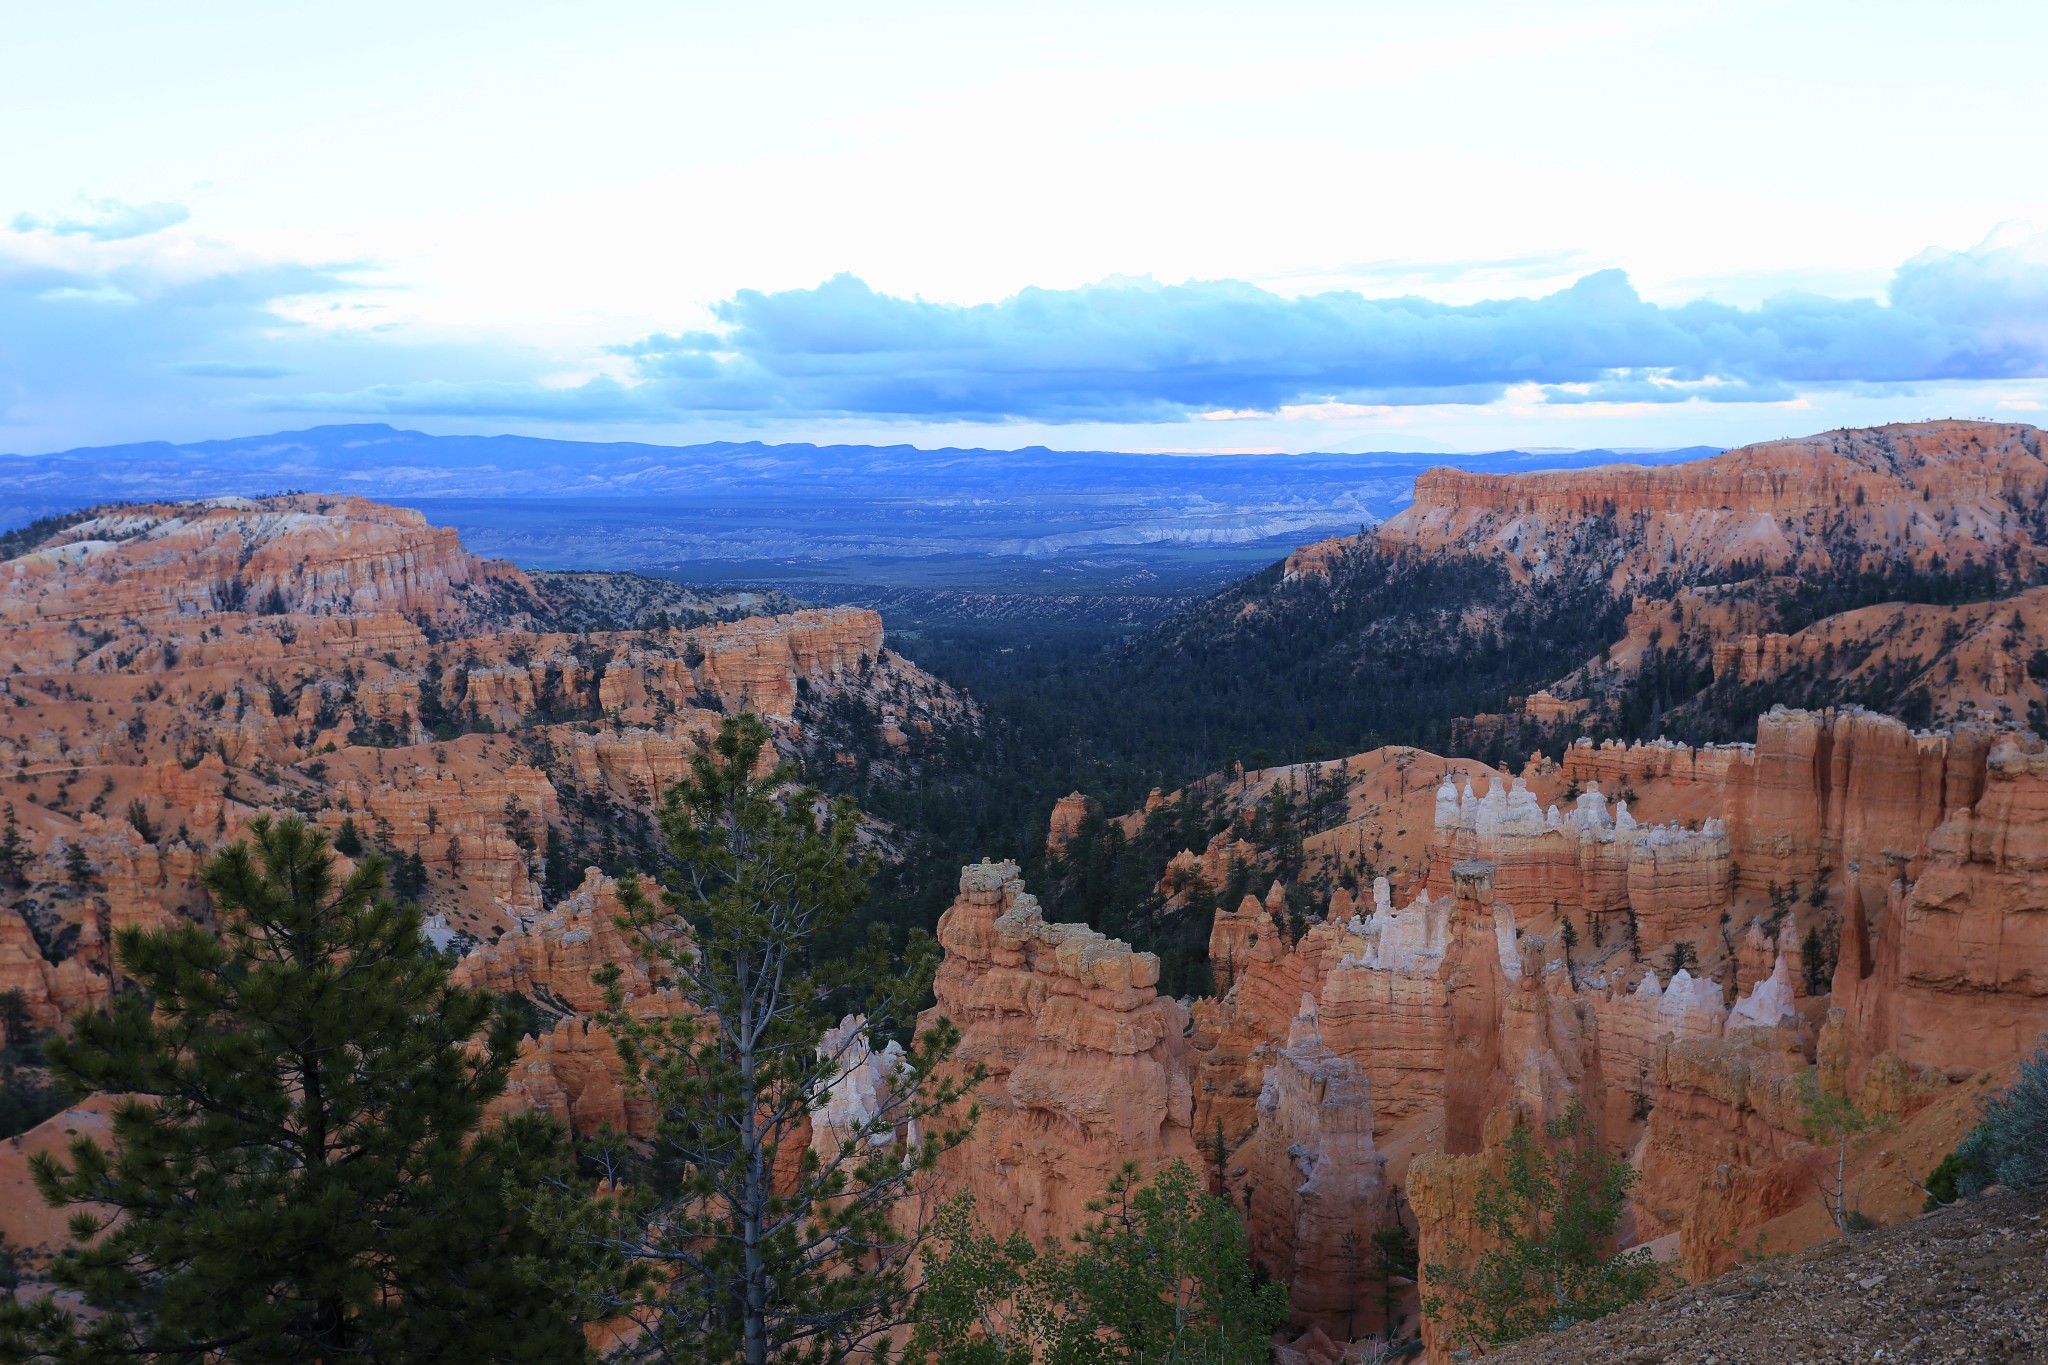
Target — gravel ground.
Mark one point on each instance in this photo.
(1963, 1284)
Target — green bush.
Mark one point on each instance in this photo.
(2009, 1145)
(1160, 1277)
(1549, 1221)
(1942, 1183)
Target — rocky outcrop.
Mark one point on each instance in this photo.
(1316, 1188)
(552, 957)
(1067, 814)
(175, 670)
(1585, 862)
(1950, 970)
(1863, 496)
(1381, 999)
(1723, 1106)
(866, 1100)
(298, 555)
(1084, 1059)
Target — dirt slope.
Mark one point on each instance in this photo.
(1962, 1284)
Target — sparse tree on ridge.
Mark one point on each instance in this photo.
(753, 1245)
(1841, 1128)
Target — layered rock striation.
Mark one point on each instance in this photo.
(1084, 1060)
(175, 670)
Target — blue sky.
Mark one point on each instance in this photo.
(1356, 226)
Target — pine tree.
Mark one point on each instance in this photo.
(1161, 1274)
(13, 852)
(78, 866)
(297, 1171)
(1394, 1257)
(1549, 1219)
(756, 1244)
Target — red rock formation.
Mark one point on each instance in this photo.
(551, 957)
(1720, 1103)
(1380, 996)
(179, 669)
(1929, 490)
(1085, 1060)
(1951, 971)
(1317, 1189)
(1239, 938)
(1067, 814)
(1474, 1081)
(301, 555)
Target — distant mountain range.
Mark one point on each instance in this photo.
(750, 508)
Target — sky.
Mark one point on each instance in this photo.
(1354, 226)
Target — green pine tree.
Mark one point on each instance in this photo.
(755, 1246)
(297, 1171)
(1549, 1220)
(1162, 1274)
(13, 850)
(1394, 1258)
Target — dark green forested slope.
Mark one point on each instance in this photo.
(1385, 649)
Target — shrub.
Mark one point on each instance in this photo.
(2009, 1145)
(1160, 1276)
(1550, 1218)
(1942, 1183)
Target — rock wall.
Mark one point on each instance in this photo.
(1584, 862)
(1950, 970)
(1380, 997)
(1085, 1060)
(1318, 1189)
(1788, 506)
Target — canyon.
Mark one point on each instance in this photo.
(174, 670)
(1842, 898)
(1413, 955)
(1403, 955)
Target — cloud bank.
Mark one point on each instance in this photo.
(93, 321)
(1128, 352)
(1123, 353)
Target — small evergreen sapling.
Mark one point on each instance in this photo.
(1160, 1275)
(1549, 1220)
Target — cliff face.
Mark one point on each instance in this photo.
(1918, 492)
(1324, 1186)
(1948, 970)
(175, 670)
(1085, 1060)
(1843, 898)
(300, 555)
(1756, 566)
